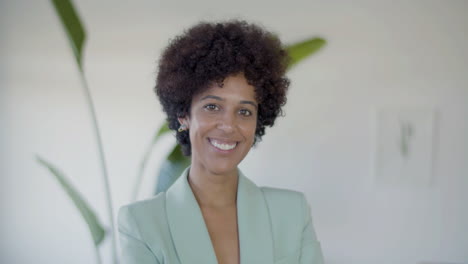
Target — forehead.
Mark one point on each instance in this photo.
(234, 86)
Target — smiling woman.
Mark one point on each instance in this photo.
(220, 85)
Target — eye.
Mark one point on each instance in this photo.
(211, 107)
(245, 112)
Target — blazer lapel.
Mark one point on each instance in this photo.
(189, 233)
(191, 237)
(253, 219)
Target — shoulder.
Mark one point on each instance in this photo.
(143, 208)
(157, 201)
(138, 241)
(289, 216)
(282, 194)
(284, 198)
(286, 206)
(143, 219)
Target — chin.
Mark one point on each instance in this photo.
(221, 169)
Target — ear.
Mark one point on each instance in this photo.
(184, 121)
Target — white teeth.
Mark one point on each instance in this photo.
(223, 146)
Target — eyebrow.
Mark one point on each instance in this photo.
(250, 103)
(221, 99)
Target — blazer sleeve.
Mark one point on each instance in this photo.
(311, 252)
(133, 249)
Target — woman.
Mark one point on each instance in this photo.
(220, 85)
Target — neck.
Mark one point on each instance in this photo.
(213, 190)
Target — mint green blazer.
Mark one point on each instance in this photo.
(274, 226)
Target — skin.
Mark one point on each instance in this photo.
(226, 115)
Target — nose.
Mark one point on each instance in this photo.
(227, 123)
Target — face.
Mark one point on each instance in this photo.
(222, 125)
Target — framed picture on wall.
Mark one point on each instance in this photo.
(404, 145)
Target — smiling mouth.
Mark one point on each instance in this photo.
(222, 145)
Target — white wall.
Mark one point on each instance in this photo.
(410, 53)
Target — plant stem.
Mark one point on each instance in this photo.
(102, 161)
(98, 255)
(141, 171)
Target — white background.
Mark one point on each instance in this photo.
(409, 53)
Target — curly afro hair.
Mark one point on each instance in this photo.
(209, 52)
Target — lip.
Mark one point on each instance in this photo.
(223, 141)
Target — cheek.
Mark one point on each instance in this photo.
(198, 128)
(249, 130)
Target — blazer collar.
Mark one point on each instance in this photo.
(190, 234)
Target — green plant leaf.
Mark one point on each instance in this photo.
(162, 130)
(149, 149)
(73, 27)
(171, 169)
(97, 231)
(300, 51)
